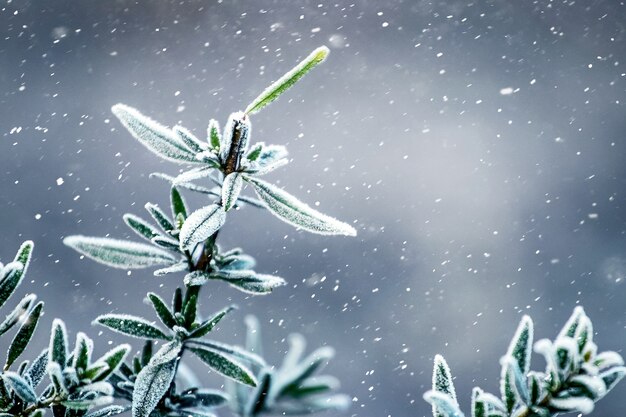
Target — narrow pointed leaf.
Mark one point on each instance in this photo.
(189, 139)
(201, 224)
(231, 188)
(119, 253)
(140, 226)
(192, 175)
(131, 326)
(224, 365)
(154, 136)
(161, 218)
(21, 387)
(210, 324)
(289, 209)
(154, 380)
(213, 133)
(290, 78)
(178, 204)
(520, 347)
(82, 352)
(162, 310)
(12, 318)
(37, 368)
(58, 343)
(14, 272)
(23, 335)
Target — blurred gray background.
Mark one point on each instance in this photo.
(478, 145)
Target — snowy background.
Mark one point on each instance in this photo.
(479, 145)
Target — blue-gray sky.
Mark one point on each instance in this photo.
(479, 145)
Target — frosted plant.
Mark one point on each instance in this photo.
(576, 376)
(75, 384)
(291, 388)
(185, 242)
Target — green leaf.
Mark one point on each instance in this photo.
(58, 343)
(119, 253)
(442, 384)
(131, 326)
(291, 379)
(201, 224)
(213, 133)
(258, 284)
(140, 226)
(82, 352)
(190, 306)
(255, 151)
(21, 387)
(154, 380)
(290, 210)
(209, 324)
(258, 397)
(24, 254)
(154, 136)
(162, 310)
(189, 139)
(224, 365)
(177, 301)
(290, 78)
(231, 188)
(37, 368)
(160, 217)
(23, 335)
(12, 277)
(248, 357)
(14, 316)
(520, 347)
(178, 204)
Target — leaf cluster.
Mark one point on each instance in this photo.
(575, 378)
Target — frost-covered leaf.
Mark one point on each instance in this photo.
(186, 185)
(189, 139)
(14, 316)
(289, 209)
(514, 387)
(12, 273)
(442, 377)
(160, 217)
(37, 369)
(209, 397)
(157, 138)
(291, 378)
(591, 386)
(140, 226)
(162, 310)
(179, 267)
(230, 189)
(608, 359)
(155, 379)
(56, 376)
(23, 335)
(166, 243)
(257, 283)
(569, 329)
(108, 411)
(131, 326)
(248, 357)
(255, 151)
(569, 404)
(119, 253)
(210, 323)
(20, 386)
(443, 404)
(479, 407)
(224, 365)
(192, 175)
(201, 224)
(612, 377)
(82, 351)
(58, 343)
(520, 347)
(113, 360)
(272, 92)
